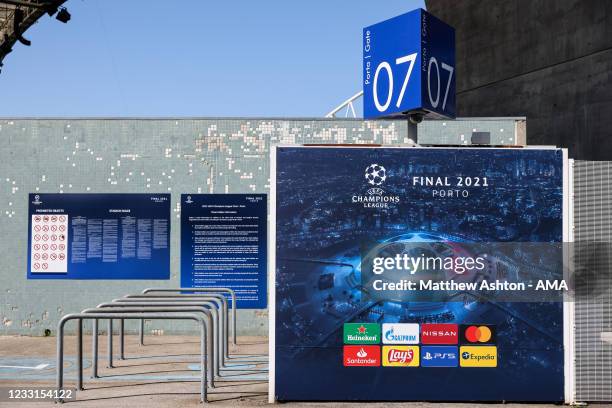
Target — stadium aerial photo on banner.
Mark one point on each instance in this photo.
(406, 203)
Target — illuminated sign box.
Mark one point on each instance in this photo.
(409, 67)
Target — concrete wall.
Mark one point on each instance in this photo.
(548, 60)
(156, 156)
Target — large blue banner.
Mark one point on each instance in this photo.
(99, 236)
(332, 204)
(224, 244)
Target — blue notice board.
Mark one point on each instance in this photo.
(224, 244)
(99, 236)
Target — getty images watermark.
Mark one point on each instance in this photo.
(491, 271)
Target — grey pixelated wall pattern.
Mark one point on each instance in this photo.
(159, 156)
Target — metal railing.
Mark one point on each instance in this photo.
(139, 315)
(207, 306)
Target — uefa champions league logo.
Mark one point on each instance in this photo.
(375, 174)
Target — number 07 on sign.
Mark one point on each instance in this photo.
(409, 67)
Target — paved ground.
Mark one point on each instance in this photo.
(163, 373)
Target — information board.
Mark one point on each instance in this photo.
(99, 236)
(352, 326)
(224, 244)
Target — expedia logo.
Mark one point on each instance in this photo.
(375, 197)
(478, 356)
(400, 356)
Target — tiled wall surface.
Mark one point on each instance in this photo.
(159, 156)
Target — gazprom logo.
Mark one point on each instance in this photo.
(393, 337)
(400, 333)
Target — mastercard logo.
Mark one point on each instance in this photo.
(478, 334)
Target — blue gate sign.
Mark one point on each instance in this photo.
(409, 67)
(224, 244)
(99, 236)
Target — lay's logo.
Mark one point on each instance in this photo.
(400, 356)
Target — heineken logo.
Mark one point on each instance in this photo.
(361, 333)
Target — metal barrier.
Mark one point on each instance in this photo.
(220, 301)
(181, 299)
(213, 344)
(220, 297)
(207, 306)
(122, 315)
(231, 292)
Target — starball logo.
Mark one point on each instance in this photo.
(375, 174)
(36, 200)
(375, 197)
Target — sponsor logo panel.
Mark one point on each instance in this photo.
(478, 356)
(478, 334)
(439, 356)
(400, 356)
(361, 333)
(439, 333)
(361, 356)
(400, 333)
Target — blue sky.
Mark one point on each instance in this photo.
(192, 58)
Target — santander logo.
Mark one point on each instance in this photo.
(364, 356)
